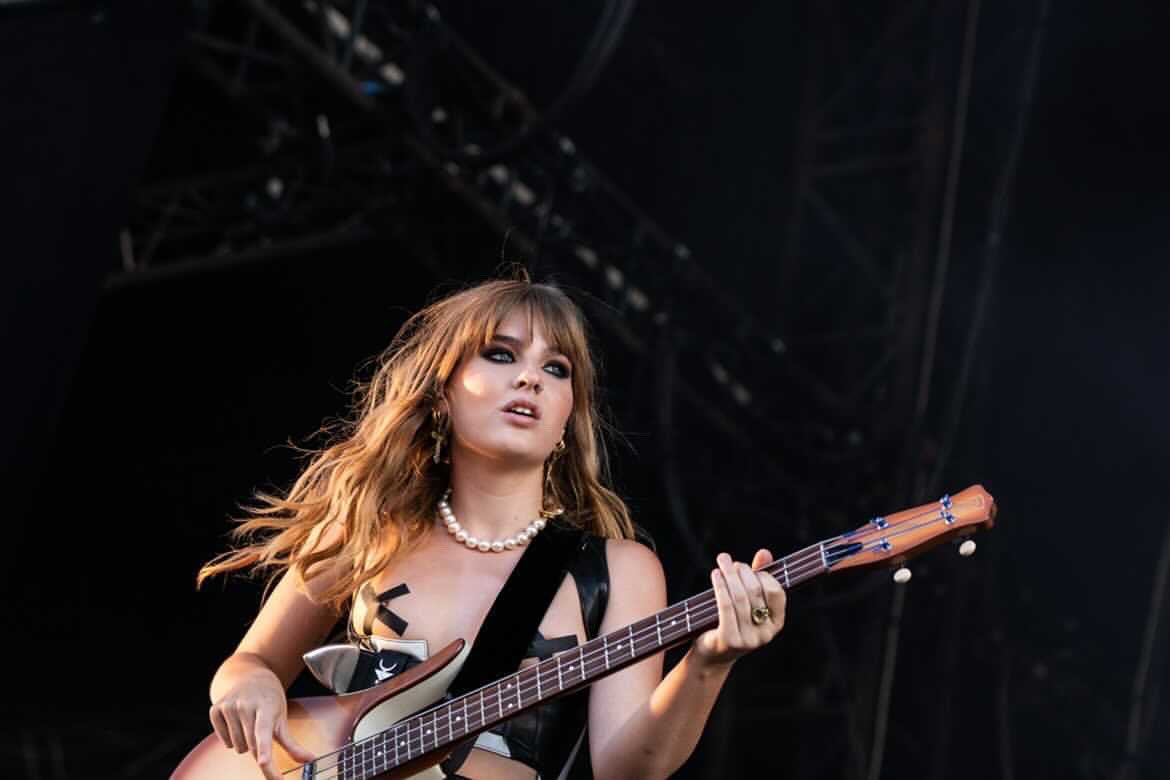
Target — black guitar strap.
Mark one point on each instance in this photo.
(514, 618)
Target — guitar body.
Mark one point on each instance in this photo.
(324, 724)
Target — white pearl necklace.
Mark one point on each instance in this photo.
(460, 533)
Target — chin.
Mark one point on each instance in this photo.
(522, 456)
(510, 451)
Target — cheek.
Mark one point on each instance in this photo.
(475, 381)
(472, 384)
(564, 406)
(466, 394)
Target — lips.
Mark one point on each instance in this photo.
(520, 408)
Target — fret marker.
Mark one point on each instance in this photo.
(509, 706)
(673, 622)
(458, 717)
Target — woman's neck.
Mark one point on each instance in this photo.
(493, 502)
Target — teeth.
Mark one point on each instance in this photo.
(521, 410)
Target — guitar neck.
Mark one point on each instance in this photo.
(454, 721)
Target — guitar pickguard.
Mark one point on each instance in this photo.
(336, 666)
(385, 714)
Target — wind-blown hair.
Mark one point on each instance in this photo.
(377, 481)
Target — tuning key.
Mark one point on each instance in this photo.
(967, 548)
(902, 576)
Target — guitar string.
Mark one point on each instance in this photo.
(416, 743)
(360, 761)
(698, 612)
(494, 692)
(702, 612)
(588, 661)
(592, 661)
(488, 692)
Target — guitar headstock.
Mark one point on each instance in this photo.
(890, 540)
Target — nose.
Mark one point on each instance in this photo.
(527, 379)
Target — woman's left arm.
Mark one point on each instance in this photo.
(644, 726)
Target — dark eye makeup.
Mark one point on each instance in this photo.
(558, 368)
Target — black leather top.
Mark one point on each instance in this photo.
(543, 737)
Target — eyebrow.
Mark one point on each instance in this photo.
(519, 343)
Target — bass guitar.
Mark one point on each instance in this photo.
(403, 727)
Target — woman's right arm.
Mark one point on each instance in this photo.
(248, 700)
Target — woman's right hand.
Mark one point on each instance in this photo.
(251, 714)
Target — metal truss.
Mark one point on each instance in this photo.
(350, 96)
(870, 161)
(880, 151)
(852, 283)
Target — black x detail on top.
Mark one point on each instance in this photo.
(376, 608)
(546, 648)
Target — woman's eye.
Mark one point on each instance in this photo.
(498, 355)
(501, 355)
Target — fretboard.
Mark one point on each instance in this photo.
(453, 721)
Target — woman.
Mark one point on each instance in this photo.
(482, 409)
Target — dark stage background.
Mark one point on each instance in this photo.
(845, 258)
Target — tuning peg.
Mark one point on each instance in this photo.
(902, 576)
(967, 548)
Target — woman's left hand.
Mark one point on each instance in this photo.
(740, 589)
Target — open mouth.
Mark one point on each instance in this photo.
(522, 409)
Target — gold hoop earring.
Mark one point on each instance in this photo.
(437, 433)
(550, 508)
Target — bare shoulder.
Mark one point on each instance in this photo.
(630, 559)
(323, 576)
(637, 582)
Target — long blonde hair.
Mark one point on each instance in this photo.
(377, 481)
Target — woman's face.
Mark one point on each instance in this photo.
(511, 399)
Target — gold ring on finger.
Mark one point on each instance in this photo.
(760, 614)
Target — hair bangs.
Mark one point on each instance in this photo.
(544, 307)
(558, 317)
